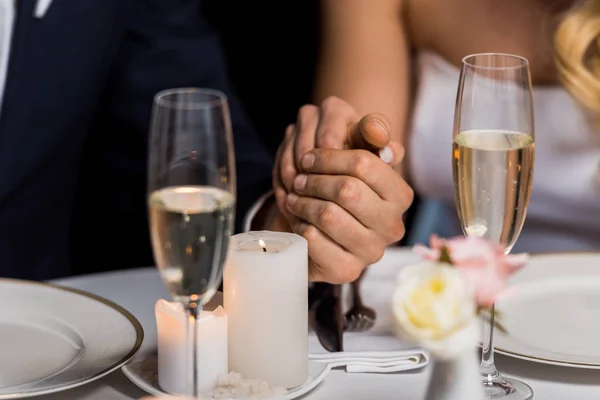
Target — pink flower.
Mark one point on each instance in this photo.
(482, 262)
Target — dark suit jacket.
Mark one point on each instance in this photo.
(74, 128)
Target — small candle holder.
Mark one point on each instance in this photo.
(172, 352)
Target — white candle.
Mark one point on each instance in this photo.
(266, 299)
(172, 347)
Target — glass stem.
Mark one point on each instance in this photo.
(192, 350)
(489, 373)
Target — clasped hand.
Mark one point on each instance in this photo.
(334, 189)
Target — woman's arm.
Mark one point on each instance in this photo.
(365, 59)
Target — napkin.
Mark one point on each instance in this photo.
(374, 361)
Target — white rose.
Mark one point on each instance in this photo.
(434, 306)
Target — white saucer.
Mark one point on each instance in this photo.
(144, 374)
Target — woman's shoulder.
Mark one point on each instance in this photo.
(457, 28)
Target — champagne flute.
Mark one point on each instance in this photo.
(492, 169)
(191, 199)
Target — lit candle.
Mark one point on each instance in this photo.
(265, 289)
(172, 351)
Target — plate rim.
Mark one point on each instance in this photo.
(139, 338)
(564, 253)
(544, 360)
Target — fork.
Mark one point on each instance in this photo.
(359, 318)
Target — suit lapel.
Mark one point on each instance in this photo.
(55, 73)
(18, 89)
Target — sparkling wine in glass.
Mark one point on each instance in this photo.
(191, 199)
(492, 168)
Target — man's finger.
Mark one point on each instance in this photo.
(350, 193)
(332, 220)
(287, 166)
(323, 251)
(279, 189)
(360, 164)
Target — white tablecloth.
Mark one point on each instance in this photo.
(138, 290)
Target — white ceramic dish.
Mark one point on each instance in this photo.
(552, 311)
(54, 338)
(144, 374)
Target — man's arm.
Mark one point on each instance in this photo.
(169, 44)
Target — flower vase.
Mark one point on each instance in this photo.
(457, 378)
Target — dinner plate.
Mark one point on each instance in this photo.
(54, 338)
(551, 311)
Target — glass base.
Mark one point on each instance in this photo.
(507, 389)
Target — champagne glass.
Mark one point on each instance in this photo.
(191, 199)
(492, 168)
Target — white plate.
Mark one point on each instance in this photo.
(54, 338)
(144, 374)
(552, 311)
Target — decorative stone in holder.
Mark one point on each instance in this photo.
(172, 352)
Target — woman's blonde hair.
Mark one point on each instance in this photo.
(577, 44)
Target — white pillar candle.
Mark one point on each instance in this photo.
(265, 289)
(172, 347)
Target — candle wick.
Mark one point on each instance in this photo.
(263, 245)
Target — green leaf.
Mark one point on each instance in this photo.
(445, 255)
(497, 317)
(498, 325)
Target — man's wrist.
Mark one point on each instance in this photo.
(264, 215)
(270, 218)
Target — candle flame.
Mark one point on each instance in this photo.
(263, 245)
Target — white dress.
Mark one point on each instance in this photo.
(564, 211)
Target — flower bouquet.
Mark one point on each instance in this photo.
(436, 304)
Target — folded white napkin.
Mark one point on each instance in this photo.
(374, 361)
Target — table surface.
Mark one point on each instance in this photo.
(138, 290)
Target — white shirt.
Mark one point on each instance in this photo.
(7, 21)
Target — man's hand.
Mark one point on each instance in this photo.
(348, 204)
